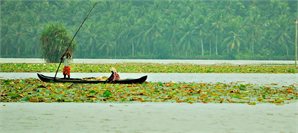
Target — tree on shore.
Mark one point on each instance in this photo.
(54, 42)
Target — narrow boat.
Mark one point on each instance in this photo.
(79, 80)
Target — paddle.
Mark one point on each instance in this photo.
(73, 38)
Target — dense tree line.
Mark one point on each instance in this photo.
(177, 29)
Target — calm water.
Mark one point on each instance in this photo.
(282, 79)
(105, 61)
(257, 78)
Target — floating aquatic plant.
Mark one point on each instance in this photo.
(33, 90)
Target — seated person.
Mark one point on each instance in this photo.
(114, 76)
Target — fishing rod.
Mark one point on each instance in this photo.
(74, 37)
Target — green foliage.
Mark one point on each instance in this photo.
(179, 29)
(54, 41)
(153, 68)
(33, 90)
(107, 94)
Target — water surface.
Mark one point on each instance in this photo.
(160, 61)
(254, 78)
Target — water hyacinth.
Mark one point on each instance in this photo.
(151, 68)
(33, 90)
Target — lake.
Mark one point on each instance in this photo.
(254, 78)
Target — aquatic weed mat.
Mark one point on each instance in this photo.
(150, 68)
(34, 90)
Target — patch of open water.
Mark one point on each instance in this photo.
(254, 78)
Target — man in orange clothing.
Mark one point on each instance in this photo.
(66, 60)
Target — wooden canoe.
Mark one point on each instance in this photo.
(78, 80)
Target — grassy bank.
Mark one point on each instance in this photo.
(33, 90)
(151, 68)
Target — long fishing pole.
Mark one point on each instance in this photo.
(74, 37)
